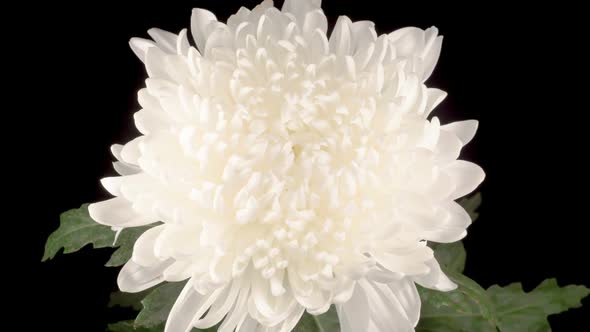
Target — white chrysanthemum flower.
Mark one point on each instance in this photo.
(290, 171)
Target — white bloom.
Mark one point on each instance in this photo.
(290, 171)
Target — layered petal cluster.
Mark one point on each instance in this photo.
(286, 170)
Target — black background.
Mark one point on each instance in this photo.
(513, 68)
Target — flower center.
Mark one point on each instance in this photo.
(291, 179)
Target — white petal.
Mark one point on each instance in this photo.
(220, 37)
(135, 278)
(161, 88)
(415, 95)
(448, 147)
(382, 275)
(182, 44)
(408, 261)
(363, 34)
(189, 307)
(266, 308)
(148, 121)
(449, 225)
(457, 215)
(117, 212)
(221, 307)
(408, 41)
(354, 315)
(300, 7)
(317, 302)
(164, 39)
(435, 279)
(340, 39)
(434, 97)
(238, 18)
(431, 134)
(386, 312)
(238, 314)
(465, 130)
(139, 46)
(112, 185)
(116, 150)
(343, 292)
(452, 226)
(200, 19)
(125, 169)
(378, 53)
(466, 176)
(178, 240)
(260, 10)
(120, 166)
(319, 45)
(179, 271)
(300, 287)
(147, 101)
(266, 27)
(431, 52)
(151, 117)
(291, 321)
(155, 63)
(130, 152)
(362, 56)
(315, 20)
(143, 249)
(248, 324)
(407, 294)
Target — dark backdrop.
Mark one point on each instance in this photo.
(511, 68)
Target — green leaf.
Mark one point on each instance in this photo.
(451, 256)
(509, 308)
(520, 311)
(471, 204)
(128, 300)
(125, 242)
(467, 308)
(157, 305)
(505, 309)
(327, 322)
(128, 326)
(76, 230)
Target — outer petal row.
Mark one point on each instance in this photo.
(377, 307)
